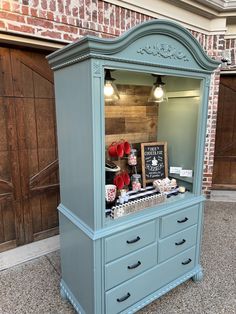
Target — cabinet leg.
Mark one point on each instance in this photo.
(63, 294)
(198, 276)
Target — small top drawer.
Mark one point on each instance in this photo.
(178, 221)
(128, 241)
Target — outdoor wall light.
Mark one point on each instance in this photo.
(158, 93)
(110, 90)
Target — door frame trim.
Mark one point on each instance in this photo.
(27, 41)
(28, 252)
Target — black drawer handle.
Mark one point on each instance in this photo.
(181, 221)
(134, 240)
(134, 265)
(187, 262)
(125, 297)
(180, 242)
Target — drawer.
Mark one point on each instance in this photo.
(134, 290)
(177, 243)
(178, 221)
(129, 266)
(129, 241)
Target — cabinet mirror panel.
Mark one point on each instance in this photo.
(151, 124)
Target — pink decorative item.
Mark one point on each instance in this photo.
(110, 192)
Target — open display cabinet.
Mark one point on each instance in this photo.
(120, 251)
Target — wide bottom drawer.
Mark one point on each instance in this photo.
(130, 292)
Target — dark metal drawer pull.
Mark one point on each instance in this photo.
(134, 265)
(184, 220)
(181, 242)
(134, 240)
(187, 262)
(125, 297)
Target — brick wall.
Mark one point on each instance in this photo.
(66, 20)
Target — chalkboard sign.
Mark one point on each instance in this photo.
(154, 161)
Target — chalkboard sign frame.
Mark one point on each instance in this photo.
(153, 144)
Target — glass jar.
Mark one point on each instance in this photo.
(136, 182)
(132, 158)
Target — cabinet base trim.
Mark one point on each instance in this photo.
(196, 274)
(67, 294)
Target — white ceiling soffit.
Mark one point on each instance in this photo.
(220, 5)
(190, 13)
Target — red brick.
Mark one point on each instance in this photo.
(35, 3)
(106, 19)
(21, 28)
(12, 16)
(34, 12)
(117, 17)
(2, 24)
(15, 7)
(6, 5)
(122, 17)
(25, 10)
(88, 10)
(42, 13)
(68, 37)
(52, 5)
(67, 10)
(132, 18)
(50, 16)
(60, 6)
(44, 4)
(112, 18)
(40, 22)
(51, 34)
(67, 29)
(100, 12)
(75, 11)
(64, 19)
(81, 9)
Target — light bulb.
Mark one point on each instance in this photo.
(158, 92)
(108, 90)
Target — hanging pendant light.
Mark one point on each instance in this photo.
(158, 92)
(110, 89)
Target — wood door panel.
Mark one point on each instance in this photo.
(37, 145)
(224, 172)
(6, 86)
(43, 88)
(29, 188)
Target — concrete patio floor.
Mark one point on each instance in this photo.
(33, 287)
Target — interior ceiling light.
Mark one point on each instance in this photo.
(110, 89)
(158, 92)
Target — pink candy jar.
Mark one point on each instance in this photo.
(136, 182)
(132, 158)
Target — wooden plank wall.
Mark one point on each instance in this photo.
(131, 118)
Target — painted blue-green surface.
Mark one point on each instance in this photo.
(91, 244)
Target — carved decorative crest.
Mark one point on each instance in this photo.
(164, 51)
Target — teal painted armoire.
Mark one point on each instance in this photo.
(120, 264)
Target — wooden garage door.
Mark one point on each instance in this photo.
(28, 149)
(224, 175)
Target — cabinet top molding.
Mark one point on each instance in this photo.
(156, 42)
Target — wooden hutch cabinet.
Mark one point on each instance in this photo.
(119, 265)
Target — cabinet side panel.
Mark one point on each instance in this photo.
(75, 141)
(77, 263)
